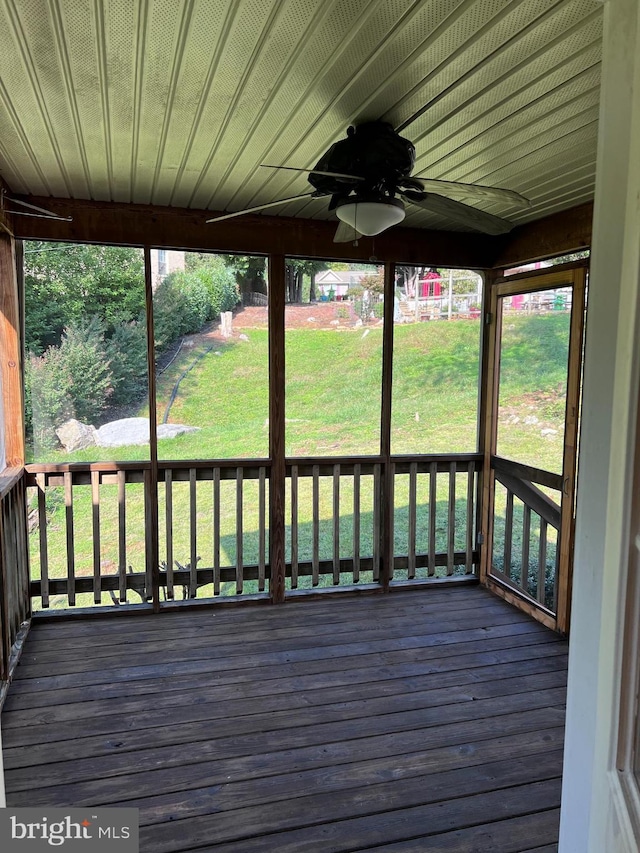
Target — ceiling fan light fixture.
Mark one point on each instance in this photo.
(371, 217)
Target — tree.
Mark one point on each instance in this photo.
(294, 278)
(250, 273)
(67, 284)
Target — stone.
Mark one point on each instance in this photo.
(127, 431)
(74, 435)
(531, 420)
(174, 430)
(124, 431)
(243, 337)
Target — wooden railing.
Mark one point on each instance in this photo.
(525, 548)
(14, 571)
(90, 537)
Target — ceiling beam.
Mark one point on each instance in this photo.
(557, 234)
(169, 227)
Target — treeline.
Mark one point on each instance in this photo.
(86, 331)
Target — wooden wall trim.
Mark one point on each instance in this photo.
(11, 353)
(559, 234)
(170, 227)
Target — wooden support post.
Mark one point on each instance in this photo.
(385, 427)
(11, 353)
(151, 482)
(487, 419)
(276, 428)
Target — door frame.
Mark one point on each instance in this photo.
(498, 286)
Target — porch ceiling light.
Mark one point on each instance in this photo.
(371, 217)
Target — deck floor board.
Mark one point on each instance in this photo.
(430, 720)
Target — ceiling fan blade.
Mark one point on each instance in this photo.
(258, 207)
(456, 189)
(315, 172)
(345, 233)
(462, 213)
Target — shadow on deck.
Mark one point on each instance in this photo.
(417, 721)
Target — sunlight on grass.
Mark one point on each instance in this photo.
(333, 393)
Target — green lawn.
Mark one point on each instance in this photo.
(333, 382)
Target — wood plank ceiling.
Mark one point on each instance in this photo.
(178, 102)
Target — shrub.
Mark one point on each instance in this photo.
(84, 358)
(127, 352)
(221, 286)
(47, 403)
(73, 380)
(181, 305)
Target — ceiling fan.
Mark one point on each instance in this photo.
(368, 178)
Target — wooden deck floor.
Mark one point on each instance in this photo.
(418, 721)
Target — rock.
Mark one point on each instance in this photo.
(136, 431)
(531, 419)
(243, 337)
(74, 435)
(311, 319)
(174, 430)
(123, 431)
(548, 433)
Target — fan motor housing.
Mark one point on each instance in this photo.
(372, 151)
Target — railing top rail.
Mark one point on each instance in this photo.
(532, 497)
(142, 465)
(8, 479)
(527, 472)
(187, 464)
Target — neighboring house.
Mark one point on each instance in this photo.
(163, 262)
(335, 284)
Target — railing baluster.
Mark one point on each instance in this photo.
(216, 531)
(262, 524)
(391, 497)
(526, 534)
(315, 557)
(11, 533)
(433, 503)
(122, 535)
(556, 572)
(71, 562)
(168, 515)
(508, 534)
(239, 533)
(193, 533)
(377, 521)
(413, 500)
(95, 515)
(42, 533)
(23, 561)
(336, 524)
(451, 522)
(542, 562)
(470, 518)
(5, 593)
(294, 527)
(356, 523)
